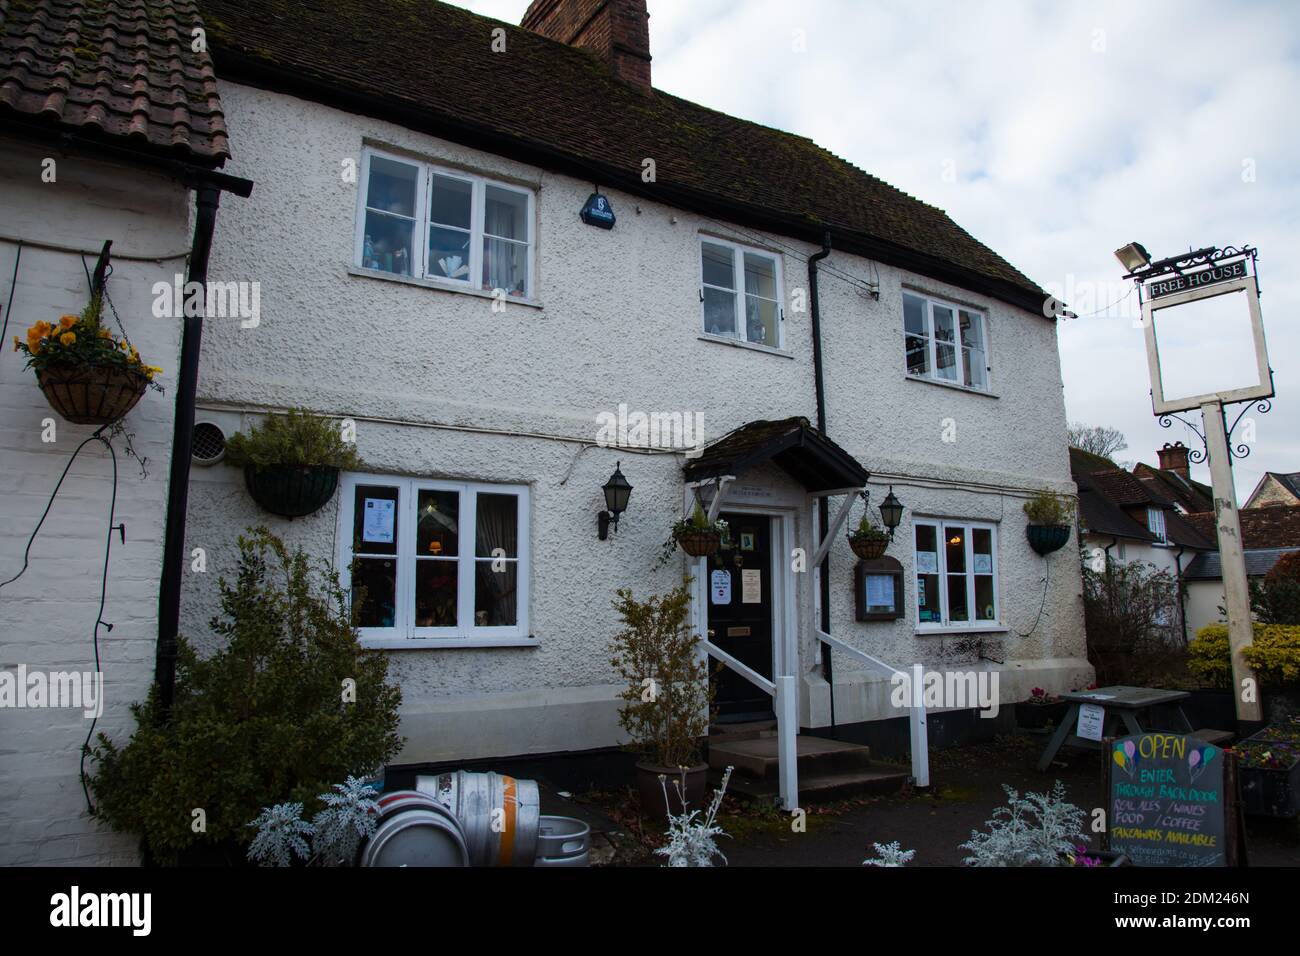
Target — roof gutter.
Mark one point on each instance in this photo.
(823, 505)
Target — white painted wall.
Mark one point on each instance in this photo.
(47, 616)
(441, 386)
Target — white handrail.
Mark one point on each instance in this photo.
(862, 655)
(751, 675)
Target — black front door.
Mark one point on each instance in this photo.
(740, 614)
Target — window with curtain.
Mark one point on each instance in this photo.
(945, 342)
(956, 574)
(434, 562)
(741, 293)
(457, 229)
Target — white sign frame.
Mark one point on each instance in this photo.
(1159, 404)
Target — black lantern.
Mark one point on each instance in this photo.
(891, 512)
(617, 491)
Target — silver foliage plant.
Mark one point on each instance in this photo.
(335, 832)
(692, 842)
(890, 854)
(1038, 829)
(282, 834)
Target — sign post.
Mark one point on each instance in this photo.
(1167, 286)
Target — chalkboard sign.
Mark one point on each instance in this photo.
(1172, 801)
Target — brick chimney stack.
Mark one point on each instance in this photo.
(616, 31)
(1174, 458)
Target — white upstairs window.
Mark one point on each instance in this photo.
(740, 289)
(459, 230)
(945, 342)
(1156, 524)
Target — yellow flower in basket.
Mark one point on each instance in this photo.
(67, 338)
(67, 321)
(105, 334)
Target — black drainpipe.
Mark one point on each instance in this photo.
(208, 198)
(823, 506)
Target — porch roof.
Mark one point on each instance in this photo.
(794, 445)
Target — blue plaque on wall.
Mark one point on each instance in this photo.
(598, 212)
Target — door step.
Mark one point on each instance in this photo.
(828, 769)
(745, 730)
(817, 788)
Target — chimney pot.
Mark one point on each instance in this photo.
(1174, 458)
(617, 32)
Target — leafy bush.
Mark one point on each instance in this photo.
(295, 438)
(1049, 508)
(1038, 829)
(1276, 599)
(271, 717)
(668, 698)
(1274, 654)
(1131, 615)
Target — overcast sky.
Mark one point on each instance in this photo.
(1054, 132)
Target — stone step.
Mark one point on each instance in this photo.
(757, 757)
(745, 730)
(819, 787)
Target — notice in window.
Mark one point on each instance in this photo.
(377, 527)
(880, 592)
(927, 562)
(983, 564)
(751, 586)
(720, 587)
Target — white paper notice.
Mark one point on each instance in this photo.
(880, 590)
(720, 587)
(378, 525)
(983, 564)
(751, 586)
(1091, 719)
(927, 562)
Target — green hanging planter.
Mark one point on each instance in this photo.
(291, 491)
(1046, 538)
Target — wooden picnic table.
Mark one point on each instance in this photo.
(1122, 705)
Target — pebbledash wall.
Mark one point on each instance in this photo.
(47, 615)
(441, 386)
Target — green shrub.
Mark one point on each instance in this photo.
(267, 719)
(295, 438)
(1274, 654)
(1276, 599)
(668, 697)
(1049, 508)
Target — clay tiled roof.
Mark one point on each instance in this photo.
(121, 69)
(1191, 495)
(1277, 526)
(431, 67)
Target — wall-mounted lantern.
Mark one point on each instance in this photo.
(617, 491)
(891, 512)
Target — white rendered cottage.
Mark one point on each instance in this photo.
(426, 274)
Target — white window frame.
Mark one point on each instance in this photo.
(932, 347)
(941, 525)
(1156, 525)
(738, 277)
(405, 634)
(478, 205)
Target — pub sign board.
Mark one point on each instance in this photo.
(1172, 801)
(1158, 288)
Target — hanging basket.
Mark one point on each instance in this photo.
(1046, 538)
(91, 395)
(868, 548)
(699, 544)
(291, 491)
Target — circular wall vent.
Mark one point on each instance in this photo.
(209, 445)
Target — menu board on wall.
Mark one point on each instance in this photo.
(1172, 803)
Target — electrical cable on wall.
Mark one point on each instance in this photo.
(13, 284)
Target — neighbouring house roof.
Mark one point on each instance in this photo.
(1190, 495)
(1275, 526)
(1208, 567)
(792, 444)
(431, 67)
(1086, 462)
(1288, 480)
(1109, 495)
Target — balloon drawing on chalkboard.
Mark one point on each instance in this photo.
(1198, 760)
(1124, 756)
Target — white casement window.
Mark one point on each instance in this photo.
(740, 288)
(435, 563)
(945, 342)
(1156, 524)
(457, 229)
(956, 574)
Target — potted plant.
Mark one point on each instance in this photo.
(88, 376)
(667, 703)
(1050, 516)
(698, 536)
(868, 540)
(291, 462)
(1270, 771)
(1041, 710)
